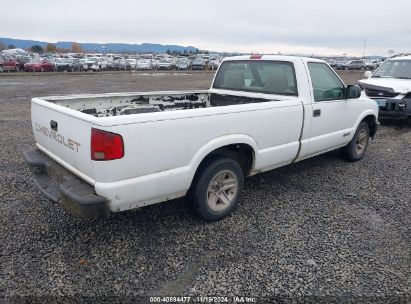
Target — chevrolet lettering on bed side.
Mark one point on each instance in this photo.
(70, 143)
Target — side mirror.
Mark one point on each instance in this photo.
(353, 92)
(368, 74)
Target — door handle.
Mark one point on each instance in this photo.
(317, 113)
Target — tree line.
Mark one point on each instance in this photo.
(76, 48)
(49, 48)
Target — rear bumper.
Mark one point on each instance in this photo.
(63, 187)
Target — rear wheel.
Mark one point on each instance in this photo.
(217, 188)
(357, 147)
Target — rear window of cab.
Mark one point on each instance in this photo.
(259, 76)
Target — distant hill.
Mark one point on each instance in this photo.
(98, 47)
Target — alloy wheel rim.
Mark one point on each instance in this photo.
(361, 142)
(222, 190)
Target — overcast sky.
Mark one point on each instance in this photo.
(265, 26)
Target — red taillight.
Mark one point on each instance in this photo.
(106, 145)
(256, 56)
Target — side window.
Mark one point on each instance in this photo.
(326, 85)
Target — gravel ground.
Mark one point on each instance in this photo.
(320, 230)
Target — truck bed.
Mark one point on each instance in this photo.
(107, 105)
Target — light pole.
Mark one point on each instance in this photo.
(363, 52)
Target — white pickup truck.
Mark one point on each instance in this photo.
(98, 154)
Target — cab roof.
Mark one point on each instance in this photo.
(273, 58)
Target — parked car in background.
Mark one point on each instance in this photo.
(214, 63)
(132, 62)
(375, 64)
(390, 87)
(183, 64)
(9, 63)
(198, 64)
(356, 65)
(337, 64)
(82, 61)
(120, 63)
(94, 64)
(23, 60)
(154, 63)
(165, 64)
(344, 64)
(144, 64)
(109, 62)
(68, 65)
(39, 65)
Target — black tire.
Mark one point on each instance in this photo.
(351, 151)
(199, 191)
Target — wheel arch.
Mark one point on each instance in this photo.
(241, 148)
(370, 118)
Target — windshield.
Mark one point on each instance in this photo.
(394, 69)
(270, 77)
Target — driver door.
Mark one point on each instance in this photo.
(332, 117)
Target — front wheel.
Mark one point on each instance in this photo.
(357, 147)
(217, 188)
